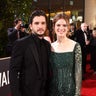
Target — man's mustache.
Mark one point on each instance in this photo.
(40, 29)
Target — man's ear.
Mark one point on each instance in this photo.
(30, 26)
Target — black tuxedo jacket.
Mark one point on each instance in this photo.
(80, 37)
(25, 73)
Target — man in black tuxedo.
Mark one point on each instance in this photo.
(28, 71)
(83, 38)
(17, 32)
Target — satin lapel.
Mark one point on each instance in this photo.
(36, 56)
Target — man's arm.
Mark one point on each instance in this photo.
(14, 69)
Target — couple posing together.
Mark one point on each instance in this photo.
(38, 68)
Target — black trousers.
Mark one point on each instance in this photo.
(93, 57)
(84, 58)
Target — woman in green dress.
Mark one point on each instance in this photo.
(65, 61)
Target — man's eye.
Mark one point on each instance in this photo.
(58, 25)
(36, 23)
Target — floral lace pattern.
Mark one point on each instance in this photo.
(78, 69)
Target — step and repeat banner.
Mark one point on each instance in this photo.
(4, 77)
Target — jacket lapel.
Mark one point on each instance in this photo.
(35, 54)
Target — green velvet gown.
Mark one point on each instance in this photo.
(66, 73)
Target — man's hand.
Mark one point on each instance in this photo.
(17, 27)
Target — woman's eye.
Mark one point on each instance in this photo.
(65, 25)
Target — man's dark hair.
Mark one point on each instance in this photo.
(37, 13)
(16, 20)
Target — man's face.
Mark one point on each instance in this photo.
(94, 33)
(38, 25)
(84, 27)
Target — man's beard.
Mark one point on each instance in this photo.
(39, 35)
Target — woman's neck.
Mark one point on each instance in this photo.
(61, 39)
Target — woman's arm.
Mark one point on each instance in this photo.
(78, 69)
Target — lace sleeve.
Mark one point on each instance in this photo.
(78, 69)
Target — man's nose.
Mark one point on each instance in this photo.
(40, 25)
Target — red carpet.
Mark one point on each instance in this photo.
(89, 84)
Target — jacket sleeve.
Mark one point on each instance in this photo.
(14, 69)
(78, 69)
(12, 34)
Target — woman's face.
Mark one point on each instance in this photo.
(61, 27)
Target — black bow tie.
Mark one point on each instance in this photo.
(85, 32)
